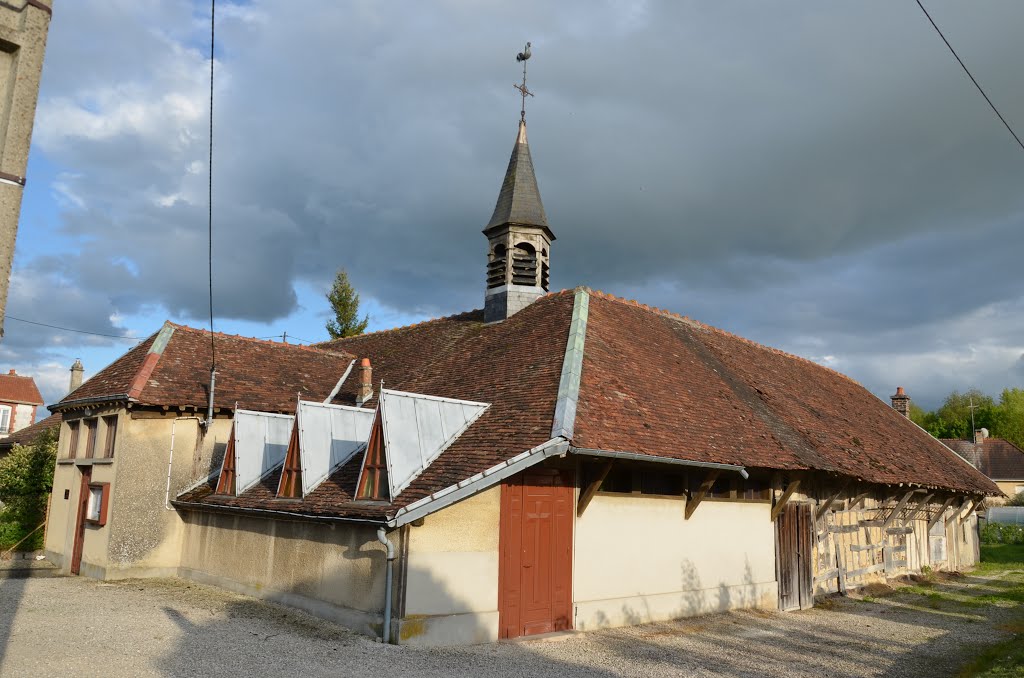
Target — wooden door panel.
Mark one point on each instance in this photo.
(83, 507)
(535, 575)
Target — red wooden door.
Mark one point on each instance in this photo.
(535, 571)
(83, 508)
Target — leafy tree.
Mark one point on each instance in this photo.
(1009, 421)
(953, 418)
(26, 477)
(345, 303)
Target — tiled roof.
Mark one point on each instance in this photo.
(652, 383)
(172, 368)
(997, 458)
(15, 388)
(28, 435)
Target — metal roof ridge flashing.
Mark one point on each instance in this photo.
(572, 368)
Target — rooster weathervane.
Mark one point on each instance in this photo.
(523, 57)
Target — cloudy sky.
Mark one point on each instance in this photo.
(820, 177)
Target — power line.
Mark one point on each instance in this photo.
(962, 65)
(71, 329)
(213, 346)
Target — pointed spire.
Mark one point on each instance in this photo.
(519, 200)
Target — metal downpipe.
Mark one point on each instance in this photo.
(382, 537)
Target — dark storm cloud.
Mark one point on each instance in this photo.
(818, 176)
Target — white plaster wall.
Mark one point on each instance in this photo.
(638, 560)
(452, 575)
(24, 415)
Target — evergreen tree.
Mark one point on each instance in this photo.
(345, 303)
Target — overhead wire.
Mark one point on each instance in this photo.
(71, 329)
(964, 66)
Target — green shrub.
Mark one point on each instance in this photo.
(1016, 500)
(26, 476)
(998, 533)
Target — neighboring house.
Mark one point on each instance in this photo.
(999, 459)
(29, 434)
(554, 461)
(19, 398)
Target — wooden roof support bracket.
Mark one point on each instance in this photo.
(827, 504)
(920, 507)
(899, 507)
(859, 499)
(781, 503)
(693, 502)
(592, 488)
(942, 512)
(974, 504)
(957, 513)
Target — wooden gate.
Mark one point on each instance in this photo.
(83, 509)
(794, 541)
(535, 569)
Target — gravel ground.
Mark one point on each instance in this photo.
(53, 626)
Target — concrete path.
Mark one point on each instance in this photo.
(52, 626)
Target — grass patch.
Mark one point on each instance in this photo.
(995, 557)
(1006, 659)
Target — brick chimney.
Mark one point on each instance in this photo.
(901, 402)
(980, 435)
(12, 373)
(365, 391)
(76, 375)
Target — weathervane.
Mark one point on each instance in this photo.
(523, 56)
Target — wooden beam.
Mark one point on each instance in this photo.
(858, 499)
(693, 502)
(790, 489)
(899, 507)
(920, 507)
(956, 513)
(823, 509)
(840, 564)
(974, 505)
(592, 488)
(942, 512)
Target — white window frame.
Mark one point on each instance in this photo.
(5, 426)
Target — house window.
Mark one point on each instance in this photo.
(5, 418)
(374, 482)
(72, 439)
(99, 498)
(90, 437)
(110, 424)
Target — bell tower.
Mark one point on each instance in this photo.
(518, 236)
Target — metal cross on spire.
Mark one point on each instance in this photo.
(523, 57)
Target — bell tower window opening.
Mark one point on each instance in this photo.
(496, 266)
(545, 271)
(524, 265)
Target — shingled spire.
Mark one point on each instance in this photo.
(519, 239)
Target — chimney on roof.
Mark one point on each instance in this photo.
(980, 435)
(76, 375)
(12, 373)
(365, 391)
(901, 402)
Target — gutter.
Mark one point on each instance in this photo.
(302, 517)
(633, 456)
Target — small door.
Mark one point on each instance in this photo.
(535, 570)
(83, 509)
(794, 540)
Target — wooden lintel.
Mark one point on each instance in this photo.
(592, 488)
(942, 512)
(920, 507)
(705, 487)
(899, 507)
(790, 489)
(960, 510)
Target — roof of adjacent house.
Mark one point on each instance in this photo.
(997, 458)
(28, 435)
(15, 388)
(172, 367)
(650, 383)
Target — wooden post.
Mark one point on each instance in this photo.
(942, 512)
(858, 499)
(974, 505)
(790, 489)
(956, 513)
(841, 564)
(827, 504)
(592, 488)
(705, 487)
(899, 507)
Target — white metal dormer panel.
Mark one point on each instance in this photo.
(329, 436)
(418, 428)
(261, 442)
